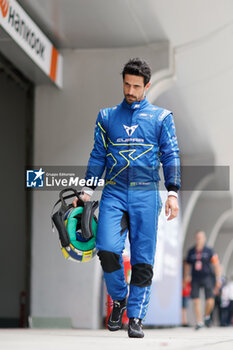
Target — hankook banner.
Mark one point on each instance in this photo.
(31, 39)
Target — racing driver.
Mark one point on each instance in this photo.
(131, 139)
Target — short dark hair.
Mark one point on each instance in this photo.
(137, 66)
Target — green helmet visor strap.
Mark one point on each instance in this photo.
(76, 226)
(71, 226)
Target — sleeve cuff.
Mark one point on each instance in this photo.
(173, 188)
(172, 193)
(87, 190)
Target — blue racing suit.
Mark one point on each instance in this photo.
(130, 142)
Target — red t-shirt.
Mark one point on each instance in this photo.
(186, 290)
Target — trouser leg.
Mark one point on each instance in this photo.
(111, 235)
(144, 208)
(230, 314)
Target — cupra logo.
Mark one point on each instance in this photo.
(4, 5)
(130, 129)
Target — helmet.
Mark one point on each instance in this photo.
(76, 227)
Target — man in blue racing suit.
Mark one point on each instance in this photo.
(131, 139)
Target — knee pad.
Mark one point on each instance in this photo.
(141, 275)
(109, 261)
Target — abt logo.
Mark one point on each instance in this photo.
(4, 6)
(35, 178)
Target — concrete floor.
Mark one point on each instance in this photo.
(174, 338)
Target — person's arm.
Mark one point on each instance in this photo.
(97, 160)
(187, 272)
(217, 270)
(96, 163)
(171, 164)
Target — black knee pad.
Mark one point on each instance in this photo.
(141, 275)
(109, 261)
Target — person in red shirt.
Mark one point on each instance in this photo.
(186, 290)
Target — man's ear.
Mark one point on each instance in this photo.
(147, 86)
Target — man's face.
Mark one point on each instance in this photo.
(200, 239)
(134, 89)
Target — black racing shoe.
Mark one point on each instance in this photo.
(135, 328)
(208, 321)
(115, 319)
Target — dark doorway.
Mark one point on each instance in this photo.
(16, 141)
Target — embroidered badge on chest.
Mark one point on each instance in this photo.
(130, 129)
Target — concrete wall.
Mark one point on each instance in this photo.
(13, 203)
(205, 214)
(64, 127)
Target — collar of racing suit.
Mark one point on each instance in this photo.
(136, 104)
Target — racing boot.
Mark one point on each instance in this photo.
(115, 319)
(135, 328)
